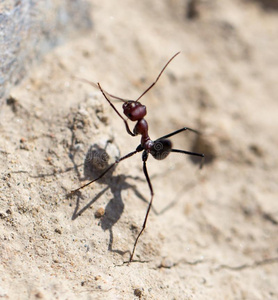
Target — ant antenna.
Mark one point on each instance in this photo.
(96, 86)
(158, 76)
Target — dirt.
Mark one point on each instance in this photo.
(212, 233)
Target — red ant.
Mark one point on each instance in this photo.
(159, 148)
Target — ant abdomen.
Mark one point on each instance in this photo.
(161, 149)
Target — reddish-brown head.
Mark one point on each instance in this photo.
(134, 110)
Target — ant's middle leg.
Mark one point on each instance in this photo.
(178, 131)
(183, 151)
(145, 157)
(108, 169)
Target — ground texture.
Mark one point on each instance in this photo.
(212, 233)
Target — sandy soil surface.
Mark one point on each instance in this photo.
(212, 233)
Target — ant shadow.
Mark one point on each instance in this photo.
(95, 163)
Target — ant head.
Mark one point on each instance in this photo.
(134, 110)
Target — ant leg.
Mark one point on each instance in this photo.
(145, 157)
(108, 169)
(115, 109)
(191, 153)
(178, 131)
(183, 151)
(157, 77)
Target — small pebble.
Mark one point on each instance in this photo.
(138, 292)
(99, 213)
(166, 263)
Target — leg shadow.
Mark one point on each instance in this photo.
(95, 163)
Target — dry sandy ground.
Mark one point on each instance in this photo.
(212, 233)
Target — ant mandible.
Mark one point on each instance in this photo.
(159, 148)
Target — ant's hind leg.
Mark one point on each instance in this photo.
(191, 153)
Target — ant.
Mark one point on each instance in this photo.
(159, 148)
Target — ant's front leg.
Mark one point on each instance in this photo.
(115, 109)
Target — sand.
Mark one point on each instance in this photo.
(212, 233)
